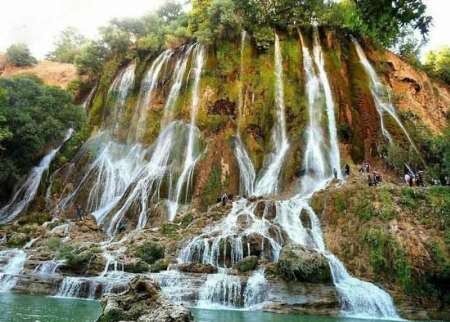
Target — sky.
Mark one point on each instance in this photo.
(37, 23)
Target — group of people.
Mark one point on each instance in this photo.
(374, 177)
(413, 178)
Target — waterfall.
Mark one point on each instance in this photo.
(256, 289)
(146, 95)
(88, 100)
(246, 169)
(334, 146)
(267, 183)
(190, 157)
(221, 290)
(359, 298)
(118, 92)
(381, 97)
(28, 190)
(314, 159)
(15, 260)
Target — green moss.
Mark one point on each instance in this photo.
(213, 187)
(75, 258)
(170, 230)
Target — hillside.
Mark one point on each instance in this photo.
(51, 73)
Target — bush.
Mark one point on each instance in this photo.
(19, 55)
(149, 252)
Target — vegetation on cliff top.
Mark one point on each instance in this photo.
(33, 118)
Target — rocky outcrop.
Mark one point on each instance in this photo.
(142, 302)
(198, 268)
(302, 264)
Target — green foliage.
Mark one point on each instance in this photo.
(36, 117)
(20, 55)
(388, 20)
(91, 58)
(54, 243)
(387, 256)
(67, 46)
(437, 63)
(213, 186)
(17, 240)
(75, 258)
(149, 252)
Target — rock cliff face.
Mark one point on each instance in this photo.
(187, 114)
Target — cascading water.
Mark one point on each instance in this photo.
(15, 260)
(332, 132)
(246, 169)
(267, 182)
(190, 156)
(27, 191)
(381, 97)
(119, 91)
(48, 268)
(146, 96)
(358, 298)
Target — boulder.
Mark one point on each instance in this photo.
(303, 264)
(141, 301)
(249, 263)
(198, 268)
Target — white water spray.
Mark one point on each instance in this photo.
(267, 183)
(191, 156)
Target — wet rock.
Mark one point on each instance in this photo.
(266, 209)
(141, 302)
(159, 265)
(249, 263)
(302, 264)
(198, 268)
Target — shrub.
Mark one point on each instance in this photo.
(19, 55)
(149, 252)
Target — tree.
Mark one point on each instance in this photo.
(91, 58)
(438, 63)
(170, 11)
(67, 46)
(20, 55)
(387, 20)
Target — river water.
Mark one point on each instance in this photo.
(28, 308)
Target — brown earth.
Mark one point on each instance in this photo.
(51, 73)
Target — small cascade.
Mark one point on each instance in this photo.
(14, 260)
(334, 154)
(118, 93)
(27, 191)
(221, 291)
(242, 233)
(359, 298)
(191, 156)
(48, 268)
(87, 102)
(246, 170)
(267, 183)
(381, 97)
(256, 289)
(91, 287)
